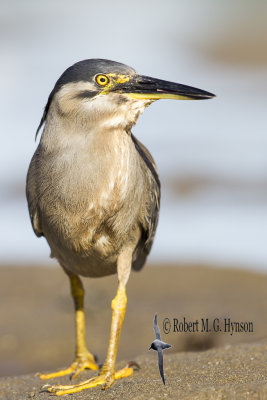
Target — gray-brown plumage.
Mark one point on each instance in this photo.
(93, 189)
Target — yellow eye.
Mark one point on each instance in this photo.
(102, 80)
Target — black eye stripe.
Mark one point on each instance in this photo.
(86, 94)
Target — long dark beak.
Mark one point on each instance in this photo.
(145, 87)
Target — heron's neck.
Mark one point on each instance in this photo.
(97, 161)
(103, 152)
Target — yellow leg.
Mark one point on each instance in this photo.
(107, 374)
(83, 359)
(118, 306)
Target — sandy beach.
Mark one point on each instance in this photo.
(37, 331)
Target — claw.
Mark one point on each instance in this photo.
(132, 364)
(45, 388)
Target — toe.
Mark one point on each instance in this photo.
(56, 374)
(80, 364)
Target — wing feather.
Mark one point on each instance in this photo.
(152, 213)
(160, 360)
(32, 197)
(156, 328)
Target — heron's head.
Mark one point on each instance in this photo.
(109, 93)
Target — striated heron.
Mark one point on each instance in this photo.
(93, 189)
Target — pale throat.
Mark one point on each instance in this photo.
(116, 114)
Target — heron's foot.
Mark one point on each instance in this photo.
(104, 379)
(86, 361)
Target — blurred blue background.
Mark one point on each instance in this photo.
(211, 155)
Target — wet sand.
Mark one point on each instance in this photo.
(37, 331)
